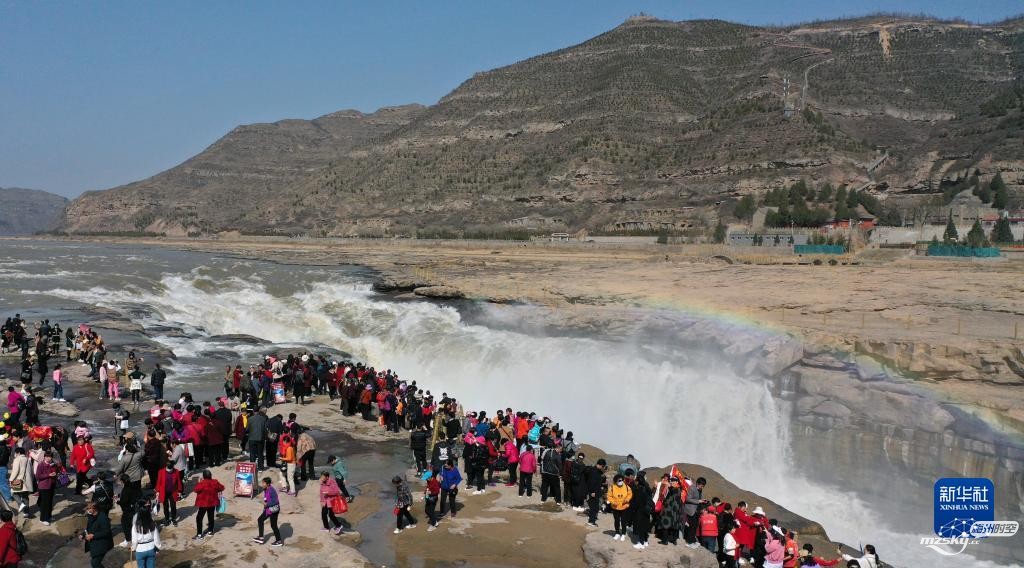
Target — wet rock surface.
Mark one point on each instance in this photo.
(439, 292)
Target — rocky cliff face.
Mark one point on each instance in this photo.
(27, 211)
(862, 418)
(650, 116)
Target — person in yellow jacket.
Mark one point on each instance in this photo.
(618, 496)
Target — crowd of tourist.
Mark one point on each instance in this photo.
(161, 459)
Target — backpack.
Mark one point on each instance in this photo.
(534, 434)
(577, 472)
(20, 544)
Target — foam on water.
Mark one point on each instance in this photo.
(683, 407)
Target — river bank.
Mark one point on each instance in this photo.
(495, 529)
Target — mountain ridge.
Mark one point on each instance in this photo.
(28, 211)
(631, 128)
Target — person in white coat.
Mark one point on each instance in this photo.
(868, 560)
(20, 478)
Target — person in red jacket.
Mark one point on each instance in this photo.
(207, 492)
(214, 443)
(707, 529)
(747, 532)
(83, 456)
(168, 488)
(9, 557)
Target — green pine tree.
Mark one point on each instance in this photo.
(1001, 233)
(1000, 196)
(720, 232)
(745, 208)
(950, 236)
(976, 236)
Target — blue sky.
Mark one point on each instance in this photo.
(96, 94)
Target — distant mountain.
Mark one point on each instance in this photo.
(653, 123)
(241, 175)
(27, 211)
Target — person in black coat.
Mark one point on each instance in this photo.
(641, 505)
(594, 478)
(99, 539)
(418, 442)
(128, 500)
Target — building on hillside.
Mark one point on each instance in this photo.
(770, 239)
(533, 223)
(865, 221)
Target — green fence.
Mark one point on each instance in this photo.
(819, 249)
(957, 250)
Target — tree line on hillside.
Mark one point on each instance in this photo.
(994, 192)
(800, 205)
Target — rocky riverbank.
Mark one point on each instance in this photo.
(497, 529)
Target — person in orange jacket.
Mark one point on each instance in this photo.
(791, 559)
(707, 529)
(287, 451)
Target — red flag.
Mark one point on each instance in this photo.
(674, 472)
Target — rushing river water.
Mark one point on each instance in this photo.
(661, 405)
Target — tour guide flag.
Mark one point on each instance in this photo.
(278, 390)
(245, 478)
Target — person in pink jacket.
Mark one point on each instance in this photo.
(328, 491)
(527, 467)
(775, 548)
(512, 455)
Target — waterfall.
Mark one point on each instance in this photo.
(682, 407)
